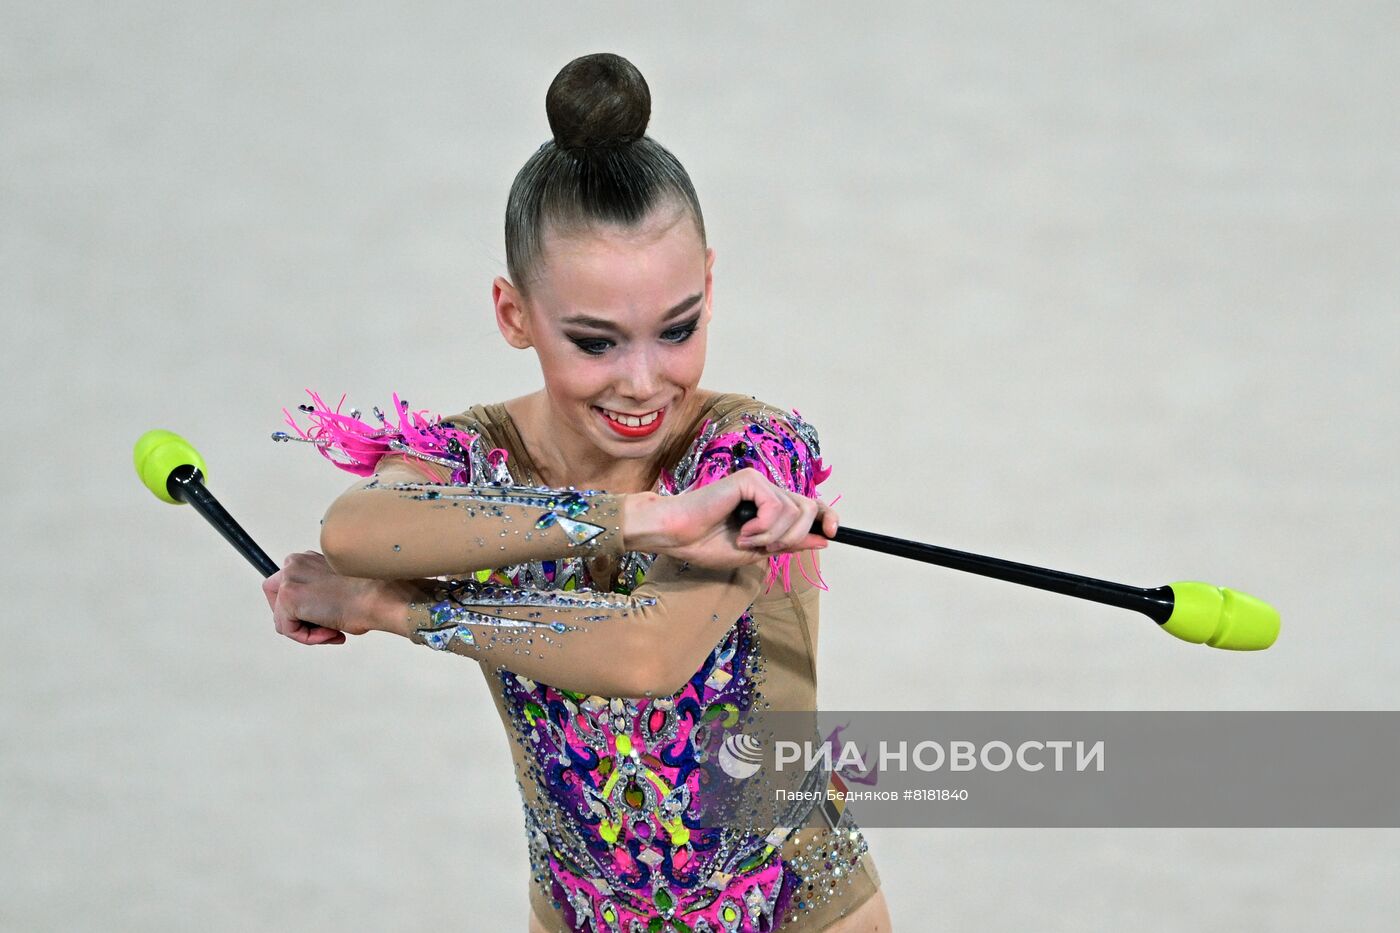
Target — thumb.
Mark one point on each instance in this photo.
(270, 588)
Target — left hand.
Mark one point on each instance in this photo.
(314, 605)
(696, 525)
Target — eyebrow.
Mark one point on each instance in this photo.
(590, 321)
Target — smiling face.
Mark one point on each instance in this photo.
(618, 318)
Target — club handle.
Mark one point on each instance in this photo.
(1156, 603)
(1196, 612)
(187, 483)
(746, 511)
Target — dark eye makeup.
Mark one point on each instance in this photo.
(597, 346)
(593, 346)
(681, 332)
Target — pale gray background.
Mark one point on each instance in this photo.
(1114, 286)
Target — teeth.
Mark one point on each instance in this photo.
(632, 421)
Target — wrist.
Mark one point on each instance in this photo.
(643, 522)
(391, 606)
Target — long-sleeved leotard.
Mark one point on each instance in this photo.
(613, 672)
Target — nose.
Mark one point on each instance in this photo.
(640, 377)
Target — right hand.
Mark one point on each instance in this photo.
(696, 525)
(314, 605)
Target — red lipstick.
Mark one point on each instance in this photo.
(626, 430)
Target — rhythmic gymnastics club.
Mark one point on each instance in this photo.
(174, 471)
(1201, 613)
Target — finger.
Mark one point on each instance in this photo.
(831, 522)
(315, 634)
(307, 634)
(281, 619)
(776, 514)
(810, 543)
(753, 487)
(794, 527)
(284, 619)
(270, 586)
(801, 527)
(320, 635)
(299, 633)
(292, 628)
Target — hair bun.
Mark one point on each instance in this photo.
(598, 101)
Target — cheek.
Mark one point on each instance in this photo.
(688, 362)
(572, 375)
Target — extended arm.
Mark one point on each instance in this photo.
(396, 526)
(646, 643)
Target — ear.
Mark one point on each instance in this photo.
(511, 316)
(709, 282)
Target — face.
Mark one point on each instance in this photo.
(618, 318)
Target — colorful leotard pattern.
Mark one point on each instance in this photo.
(618, 812)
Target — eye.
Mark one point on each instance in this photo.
(593, 346)
(680, 333)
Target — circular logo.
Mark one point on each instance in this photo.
(740, 756)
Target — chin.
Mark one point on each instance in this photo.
(634, 448)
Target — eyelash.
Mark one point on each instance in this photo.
(597, 346)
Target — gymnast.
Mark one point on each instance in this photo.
(579, 544)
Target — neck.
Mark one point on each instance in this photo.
(565, 457)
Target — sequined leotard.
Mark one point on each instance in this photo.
(614, 787)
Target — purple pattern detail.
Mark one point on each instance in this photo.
(633, 779)
(771, 446)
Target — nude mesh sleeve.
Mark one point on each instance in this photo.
(646, 643)
(391, 530)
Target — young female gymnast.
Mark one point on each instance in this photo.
(618, 630)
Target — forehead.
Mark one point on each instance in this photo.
(621, 270)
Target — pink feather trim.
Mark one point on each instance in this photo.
(357, 447)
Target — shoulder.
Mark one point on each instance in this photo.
(458, 448)
(741, 431)
(484, 453)
(734, 412)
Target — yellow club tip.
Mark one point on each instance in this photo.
(159, 453)
(1221, 617)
